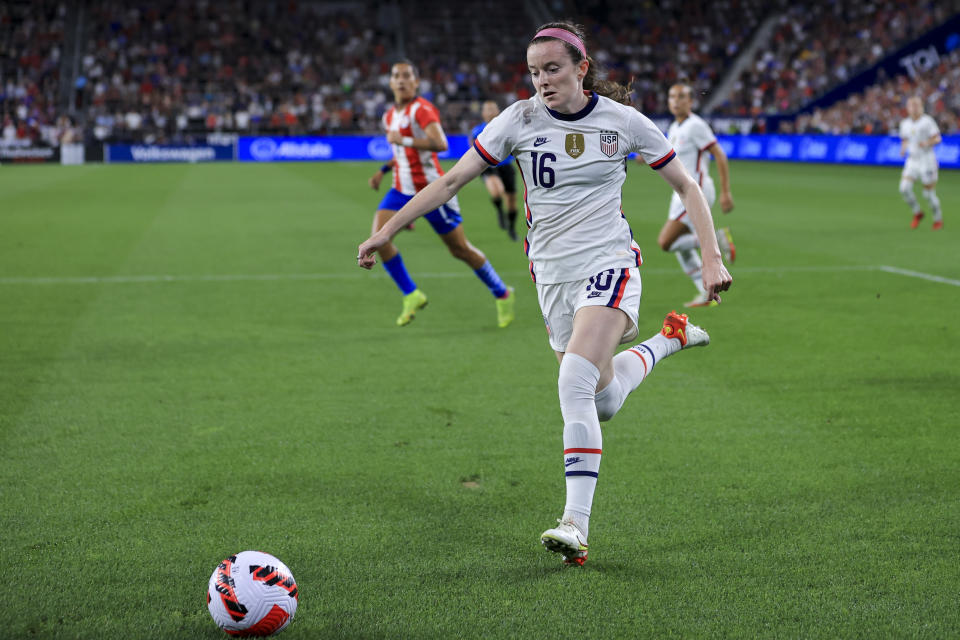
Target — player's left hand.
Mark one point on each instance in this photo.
(726, 202)
(367, 251)
(394, 137)
(716, 278)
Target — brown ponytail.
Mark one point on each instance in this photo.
(592, 81)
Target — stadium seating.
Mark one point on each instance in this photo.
(880, 108)
(820, 45)
(169, 70)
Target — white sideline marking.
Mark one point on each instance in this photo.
(465, 273)
(918, 274)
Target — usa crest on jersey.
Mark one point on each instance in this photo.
(608, 143)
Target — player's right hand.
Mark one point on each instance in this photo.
(726, 202)
(375, 181)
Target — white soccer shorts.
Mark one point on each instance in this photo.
(923, 171)
(615, 288)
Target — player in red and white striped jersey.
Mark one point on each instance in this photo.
(414, 130)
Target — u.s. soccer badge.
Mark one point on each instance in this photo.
(608, 143)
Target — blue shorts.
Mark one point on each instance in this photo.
(444, 219)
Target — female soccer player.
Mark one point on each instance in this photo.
(501, 180)
(413, 128)
(692, 138)
(571, 145)
(919, 134)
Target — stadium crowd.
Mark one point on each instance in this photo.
(657, 45)
(31, 38)
(164, 70)
(879, 109)
(180, 66)
(818, 45)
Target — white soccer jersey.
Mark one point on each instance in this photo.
(416, 168)
(917, 131)
(573, 167)
(690, 140)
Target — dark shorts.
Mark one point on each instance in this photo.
(443, 219)
(507, 174)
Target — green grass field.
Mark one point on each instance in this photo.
(191, 365)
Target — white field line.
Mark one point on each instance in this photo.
(465, 273)
(918, 274)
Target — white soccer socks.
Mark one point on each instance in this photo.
(685, 242)
(630, 368)
(906, 191)
(609, 399)
(582, 440)
(931, 196)
(692, 265)
(583, 408)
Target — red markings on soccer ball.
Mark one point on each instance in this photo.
(228, 593)
(271, 576)
(268, 625)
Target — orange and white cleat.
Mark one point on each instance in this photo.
(567, 540)
(938, 225)
(917, 217)
(677, 325)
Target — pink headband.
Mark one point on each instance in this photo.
(566, 36)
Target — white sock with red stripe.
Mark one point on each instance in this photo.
(630, 368)
(582, 439)
(692, 265)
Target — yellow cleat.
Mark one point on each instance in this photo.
(505, 314)
(412, 302)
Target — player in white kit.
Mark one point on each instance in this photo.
(693, 139)
(919, 134)
(571, 143)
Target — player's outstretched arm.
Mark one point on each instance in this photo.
(377, 178)
(715, 275)
(723, 168)
(435, 194)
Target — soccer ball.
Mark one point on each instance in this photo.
(252, 594)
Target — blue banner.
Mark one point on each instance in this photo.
(875, 150)
(167, 153)
(869, 150)
(306, 148)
